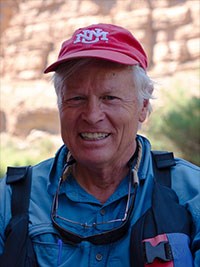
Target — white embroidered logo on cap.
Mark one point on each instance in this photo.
(91, 36)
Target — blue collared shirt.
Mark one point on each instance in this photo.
(78, 205)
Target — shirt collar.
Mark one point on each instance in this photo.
(56, 169)
(76, 193)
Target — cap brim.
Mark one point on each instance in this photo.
(101, 54)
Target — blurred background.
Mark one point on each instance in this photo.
(31, 34)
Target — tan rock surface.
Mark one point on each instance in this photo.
(32, 31)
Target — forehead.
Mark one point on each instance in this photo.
(98, 71)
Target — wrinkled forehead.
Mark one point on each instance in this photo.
(78, 65)
(80, 71)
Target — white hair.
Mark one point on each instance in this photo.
(142, 82)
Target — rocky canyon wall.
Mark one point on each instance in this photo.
(32, 31)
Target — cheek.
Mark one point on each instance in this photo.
(62, 117)
(133, 114)
(65, 114)
(128, 121)
(65, 119)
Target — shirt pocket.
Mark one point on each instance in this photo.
(48, 246)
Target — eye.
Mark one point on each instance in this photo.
(74, 99)
(109, 97)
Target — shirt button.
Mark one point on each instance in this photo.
(102, 212)
(99, 257)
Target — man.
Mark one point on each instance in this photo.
(97, 202)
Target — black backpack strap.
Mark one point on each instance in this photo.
(18, 250)
(20, 182)
(162, 163)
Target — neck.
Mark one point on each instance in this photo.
(100, 183)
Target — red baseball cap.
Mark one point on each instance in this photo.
(103, 41)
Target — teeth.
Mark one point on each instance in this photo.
(94, 136)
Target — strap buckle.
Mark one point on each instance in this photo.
(162, 252)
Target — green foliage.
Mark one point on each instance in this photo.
(175, 125)
(182, 126)
(15, 154)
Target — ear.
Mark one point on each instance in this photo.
(144, 110)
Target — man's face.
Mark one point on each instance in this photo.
(99, 114)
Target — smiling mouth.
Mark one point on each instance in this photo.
(94, 136)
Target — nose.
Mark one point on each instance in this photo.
(93, 112)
